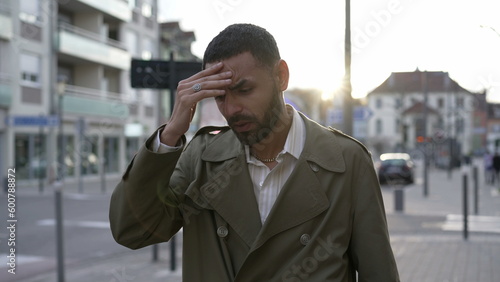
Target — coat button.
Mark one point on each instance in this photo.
(222, 231)
(304, 239)
(314, 167)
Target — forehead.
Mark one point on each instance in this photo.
(239, 64)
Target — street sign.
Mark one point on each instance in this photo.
(362, 113)
(43, 121)
(155, 74)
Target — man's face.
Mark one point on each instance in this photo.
(252, 104)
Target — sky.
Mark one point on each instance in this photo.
(461, 37)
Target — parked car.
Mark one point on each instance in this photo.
(395, 168)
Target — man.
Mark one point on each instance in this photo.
(272, 197)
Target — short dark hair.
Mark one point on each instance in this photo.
(239, 38)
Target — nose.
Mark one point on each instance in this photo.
(232, 105)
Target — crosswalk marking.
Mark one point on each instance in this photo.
(74, 223)
(476, 223)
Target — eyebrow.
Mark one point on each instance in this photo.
(237, 85)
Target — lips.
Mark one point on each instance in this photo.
(242, 126)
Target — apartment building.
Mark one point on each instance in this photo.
(452, 124)
(69, 60)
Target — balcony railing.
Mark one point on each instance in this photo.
(92, 47)
(90, 35)
(82, 100)
(116, 8)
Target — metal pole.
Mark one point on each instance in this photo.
(81, 130)
(426, 159)
(347, 87)
(56, 107)
(155, 252)
(59, 230)
(476, 190)
(60, 143)
(465, 208)
(173, 89)
(40, 175)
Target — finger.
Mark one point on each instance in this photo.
(206, 72)
(209, 85)
(185, 84)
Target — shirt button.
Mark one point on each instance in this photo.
(222, 231)
(304, 239)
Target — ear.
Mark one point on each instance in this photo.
(283, 75)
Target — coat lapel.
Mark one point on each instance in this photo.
(302, 197)
(229, 190)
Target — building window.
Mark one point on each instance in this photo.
(30, 156)
(397, 129)
(111, 154)
(460, 125)
(378, 125)
(147, 10)
(147, 49)
(30, 70)
(30, 11)
(90, 160)
(440, 103)
(460, 102)
(378, 103)
(132, 43)
(398, 103)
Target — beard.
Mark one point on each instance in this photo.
(263, 128)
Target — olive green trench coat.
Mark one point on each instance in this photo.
(327, 224)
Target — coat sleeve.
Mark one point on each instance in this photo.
(138, 217)
(370, 247)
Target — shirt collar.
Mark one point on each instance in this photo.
(295, 139)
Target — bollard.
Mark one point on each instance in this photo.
(465, 208)
(399, 199)
(172, 254)
(155, 252)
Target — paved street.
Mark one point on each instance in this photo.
(427, 236)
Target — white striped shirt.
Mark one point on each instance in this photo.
(267, 183)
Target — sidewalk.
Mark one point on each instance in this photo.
(427, 240)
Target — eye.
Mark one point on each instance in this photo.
(220, 98)
(245, 90)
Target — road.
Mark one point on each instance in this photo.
(86, 231)
(429, 226)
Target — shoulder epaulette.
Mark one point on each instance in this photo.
(334, 130)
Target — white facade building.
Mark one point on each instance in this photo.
(71, 59)
(400, 122)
